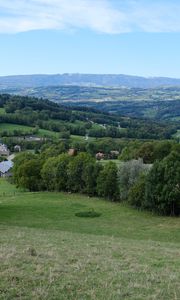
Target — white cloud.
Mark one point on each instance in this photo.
(106, 16)
(22, 15)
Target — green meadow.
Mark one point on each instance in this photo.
(26, 129)
(47, 252)
(11, 127)
(2, 110)
(41, 132)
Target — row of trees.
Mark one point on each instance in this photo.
(156, 188)
(66, 173)
(159, 190)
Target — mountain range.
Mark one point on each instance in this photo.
(111, 80)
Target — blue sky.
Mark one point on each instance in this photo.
(137, 37)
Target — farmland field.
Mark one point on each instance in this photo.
(41, 132)
(47, 252)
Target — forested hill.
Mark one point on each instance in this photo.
(22, 81)
(155, 103)
(44, 114)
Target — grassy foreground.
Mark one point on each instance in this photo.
(48, 253)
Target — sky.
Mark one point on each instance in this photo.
(135, 37)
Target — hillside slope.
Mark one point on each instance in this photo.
(47, 252)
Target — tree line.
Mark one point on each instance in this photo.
(145, 186)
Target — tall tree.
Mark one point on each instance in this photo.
(76, 167)
(107, 183)
(163, 186)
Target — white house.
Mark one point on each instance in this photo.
(4, 150)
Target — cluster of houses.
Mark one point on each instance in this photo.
(99, 155)
(6, 165)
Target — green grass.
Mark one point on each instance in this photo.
(6, 187)
(47, 133)
(79, 138)
(177, 135)
(11, 127)
(116, 161)
(47, 252)
(2, 110)
(26, 129)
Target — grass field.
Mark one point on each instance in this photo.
(49, 253)
(116, 161)
(26, 129)
(11, 127)
(2, 110)
(177, 135)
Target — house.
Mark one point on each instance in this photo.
(100, 155)
(72, 152)
(114, 154)
(4, 150)
(5, 168)
(17, 148)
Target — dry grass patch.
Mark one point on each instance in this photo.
(47, 253)
(46, 264)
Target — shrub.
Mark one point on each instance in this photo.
(88, 214)
(128, 174)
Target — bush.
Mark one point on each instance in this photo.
(88, 214)
(128, 174)
(107, 183)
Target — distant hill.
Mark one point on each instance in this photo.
(22, 81)
(19, 115)
(154, 103)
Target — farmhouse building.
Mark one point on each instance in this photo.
(4, 150)
(17, 148)
(114, 154)
(72, 152)
(5, 168)
(100, 155)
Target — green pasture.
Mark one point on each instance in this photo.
(116, 161)
(11, 127)
(2, 110)
(177, 135)
(49, 253)
(26, 129)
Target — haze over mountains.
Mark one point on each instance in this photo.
(111, 80)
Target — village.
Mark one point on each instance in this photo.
(6, 157)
